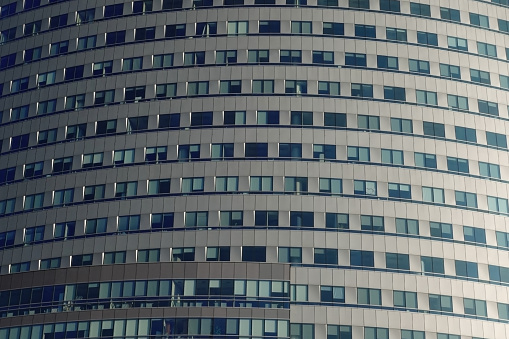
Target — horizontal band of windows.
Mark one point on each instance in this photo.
(287, 34)
(176, 228)
(376, 69)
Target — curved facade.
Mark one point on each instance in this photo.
(254, 169)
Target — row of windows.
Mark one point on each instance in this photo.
(196, 327)
(321, 256)
(246, 292)
(210, 327)
(122, 190)
(230, 57)
(205, 29)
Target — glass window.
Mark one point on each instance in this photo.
(475, 307)
(301, 219)
(364, 187)
(466, 269)
(487, 107)
(489, 170)
(407, 226)
(457, 164)
(496, 139)
(498, 204)
(358, 4)
(394, 157)
(333, 28)
(425, 160)
(401, 125)
(296, 184)
(218, 253)
(440, 303)
(427, 38)
(261, 184)
(387, 62)
(336, 220)
(432, 265)
(355, 59)
(405, 299)
(162, 220)
(258, 56)
(328, 88)
(196, 219)
(434, 129)
(401, 191)
(479, 20)
(290, 255)
(326, 256)
(394, 93)
(450, 14)
(440, 230)
(254, 253)
(231, 218)
(270, 26)
(397, 261)
(369, 296)
(334, 119)
(372, 223)
(432, 194)
(266, 218)
(362, 258)
(301, 118)
(328, 185)
(366, 31)
(450, 71)
(263, 86)
(457, 43)
(334, 294)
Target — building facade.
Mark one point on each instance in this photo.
(254, 169)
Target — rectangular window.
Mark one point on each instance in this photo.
(328, 256)
(260, 184)
(196, 219)
(33, 234)
(58, 21)
(366, 31)
(95, 192)
(400, 191)
(85, 16)
(44, 79)
(440, 230)
(113, 38)
(137, 124)
(46, 107)
(457, 164)
(218, 253)
(358, 153)
(19, 142)
(301, 118)
(62, 165)
(498, 204)
(301, 27)
(194, 58)
(34, 169)
(369, 296)
(390, 156)
(333, 28)
(32, 54)
(406, 300)
(47, 136)
(475, 307)
(152, 255)
(20, 267)
(328, 185)
(466, 269)
(188, 152)
(197, 88)
(8, 61)
(301, 219)
(92, 160)
(19, 113)
(466, 199)
(440, 303)
(76, 132)
(394, 93)
(145, 33)
(434, 129)
(420, 9)
(114, 258)
(75, 102)
(7, 174)
(102, 68)
(159, 186)
(425, 160)
(162, 61)
(450, 14)
(480, 76)
(132, 64)
(336, 220)
(290, 150)
(162, 220)
(221, 151)
(328, 88)
(426, 38)
(63, 197)
(489, 170)
(334, 294)
(358, 4)
(86, 42)
(487, 107)
(334, 119)
(7, 206)
(487, 49)
(128, 223)
(296, 184)
(502, 239)
(397, 261)
(104, 97)
(123, 157)
(479, 20)
(134, 94)
(32, 28)
(227, 184)
(401, 125)
(237, 27)
(164, 91)
(50, 263)
(465, 134)
(450, 71)
(230, 87)
(226, 57)
(266, 218)
(231, 218)
(64, 230)
(190, 185)
(62, 47)
(173, 31)
(362, 258)
(267, 117)
(19, 85)
(169, 120)
(8, 10)
(432, 265)
(7, 35)
(172, 4)
(7, 238)
(323, 57)
(457, 43)
(270, 26)
(407, 226)
(372, 223)
(355, 59)
(254, 253)
(432, 194)
(387, 62)
(113, 10)
(258, 56)
(126, 189)
(474, 234)
(81, 260)
(396, 34)
(496, 139)
(206, 29)
(104, 127)
(362, 90)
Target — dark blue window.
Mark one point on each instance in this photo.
(362, 258)
(366, 31)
